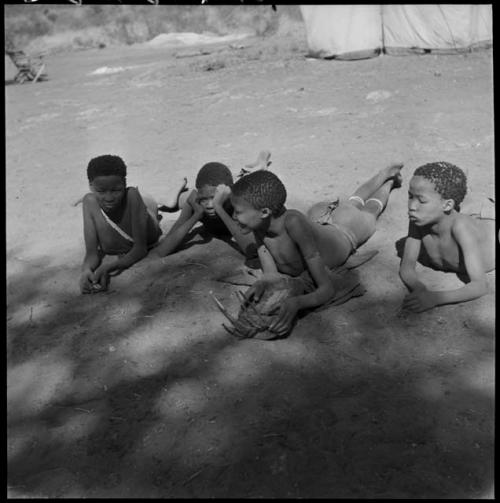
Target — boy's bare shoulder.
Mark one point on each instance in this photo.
(295, 216)
(296, 220)
(133, 192)
(463, 221)
(133, 197)
(463, 224)
(89, 200)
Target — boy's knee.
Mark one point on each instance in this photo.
(374, 206)
(357, 202)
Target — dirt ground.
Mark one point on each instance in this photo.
(139, 392)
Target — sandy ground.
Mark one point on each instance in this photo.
(140, 392)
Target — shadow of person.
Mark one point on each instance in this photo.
(250, 253)
(205, 236)
(190, 238)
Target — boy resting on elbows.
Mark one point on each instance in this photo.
(208, 204)
(117, 220)
(290, 243)
(453, 242)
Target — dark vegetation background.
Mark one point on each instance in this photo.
(56, 28)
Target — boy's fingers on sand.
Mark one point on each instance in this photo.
(250, 294)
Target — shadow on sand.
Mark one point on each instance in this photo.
(139, 392)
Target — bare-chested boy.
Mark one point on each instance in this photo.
(209, 204)
(291, 243)
(453, 241)
(117, 220)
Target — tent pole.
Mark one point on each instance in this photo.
(382, 50)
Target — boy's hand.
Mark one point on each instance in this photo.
(256, 290)
(101, 279)
(222, 193)
(286, 315)
(86, 281)
(193, 202)
(420, 300)
(259, 287)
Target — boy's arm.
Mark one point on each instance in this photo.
(300, 231)
(139, 224)
(269, 270)
(92, 258)
(267, 263)
(407, 268)
(187, 219)
(246, 242)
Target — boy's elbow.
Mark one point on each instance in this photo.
(139, 252)
(481, 287)
(404, 272)
(329, 291)
(163, 249)
(154, 253)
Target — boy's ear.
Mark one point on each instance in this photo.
(266, 212)
(448, 205)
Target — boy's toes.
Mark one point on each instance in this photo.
(262, 162)
(394, 169)
(397, 181)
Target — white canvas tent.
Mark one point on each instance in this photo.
(364, 31)
(10, 69)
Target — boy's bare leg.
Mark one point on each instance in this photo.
(174, 205)
(374, 184)
(377, 202)
(371, 199)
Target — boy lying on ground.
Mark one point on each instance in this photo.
(209, 204)
(452, 241)
(117, 220)
(292, 244)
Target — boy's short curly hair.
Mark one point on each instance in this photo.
(106, 165)
(449, 180)
(262, 189)
(214, 173)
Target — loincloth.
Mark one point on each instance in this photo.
(326, 218)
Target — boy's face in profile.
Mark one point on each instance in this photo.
(109, 191)
(248, 217)
(425, 205)
(206, 199)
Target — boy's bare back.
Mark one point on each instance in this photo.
(445, 252)
(285, 246)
